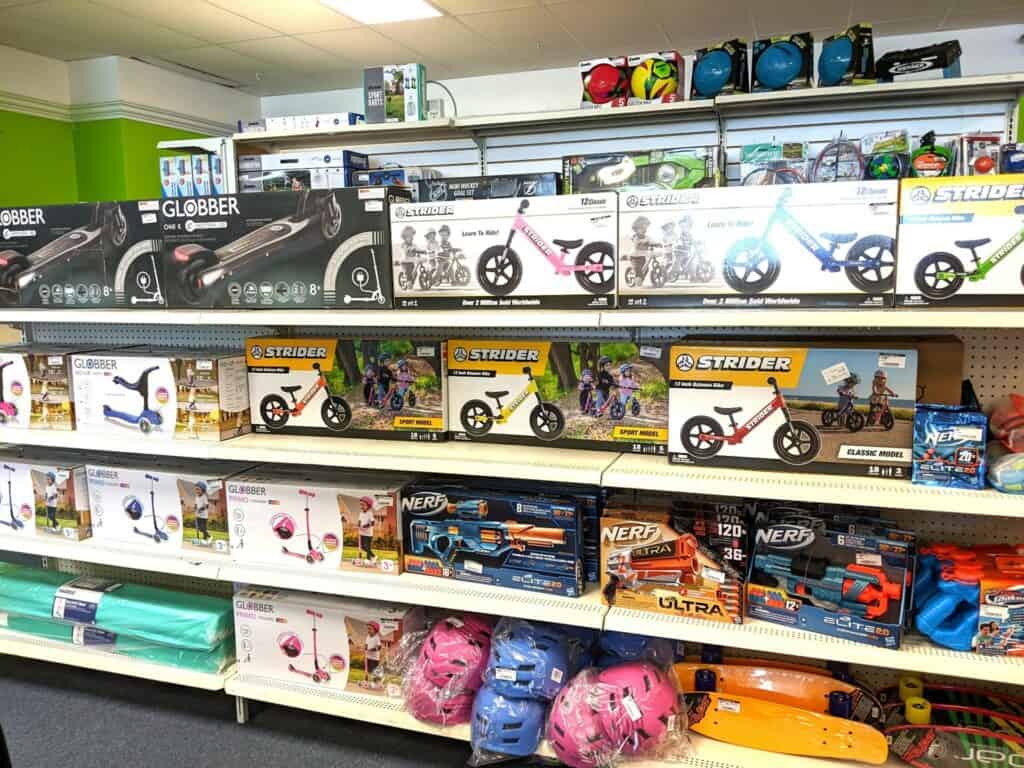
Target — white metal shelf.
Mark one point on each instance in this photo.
(351, 134)
(933, 317)
(87, 441)
(654, 473)
(29, 647)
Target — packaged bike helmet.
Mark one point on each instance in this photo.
(506, 726)
(583, 731)
(649, 697)
(529, 660)
(454, 656)
(783, 63)
(949, 446)
(719, 70)
(433, 704)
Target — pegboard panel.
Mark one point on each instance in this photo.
(992, 361)
(152, 578)
(186, 336)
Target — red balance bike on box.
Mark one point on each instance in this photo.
(796, 442)
(500, 269)
(335, 411)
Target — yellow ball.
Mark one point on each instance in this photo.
(654, 78)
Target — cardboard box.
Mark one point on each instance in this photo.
(17, 503)
(318, 248)
(937, 216)
(218, 180)
(326, 168)
(392, 389)
(760, 246)
(82, 255)
(164, 506)
(505, 253)
(36, 387)
(414, 83)
(186, 187)
(800, 46)
(168, 177)
(567, 394)
(720, 70)
(488, 187)
(662, 169)
(509, 539)
(201, 174)
(313, 122)
(43, 491)
(331, 645)
(153, 393)
(793, 408)
(316, 521)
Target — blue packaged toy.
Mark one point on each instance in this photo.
(949, 446)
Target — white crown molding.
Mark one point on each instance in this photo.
(107, 110)
(27, 105)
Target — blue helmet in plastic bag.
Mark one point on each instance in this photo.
(581, 646)
(507, 726)
(711, 72)
(617, 647)
(778, 64)
(834, 60)
(528, 660)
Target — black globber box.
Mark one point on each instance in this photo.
(487, 187)
(280, 250)
(81, 255)
(912, 61)
(800, 44)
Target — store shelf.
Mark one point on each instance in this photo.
(132, 442)
(707, 753)
(28, 647)
(579, 118)
(364, 133)
(934, 317)
(653, 473)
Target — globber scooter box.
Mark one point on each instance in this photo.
(36, 386)
(44, 492)
(280, 250)
(801, 245)
(793, 408)
(82, 255)
(391, 389)
(538, 252)
(149, 393)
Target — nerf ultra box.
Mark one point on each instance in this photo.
(830, 582)
(789, 407)
(384, 388)
(960, 241)
(316, 521)
(36, 387)
(507, 539)
(688, 560)
(329, 644)
(570, 394)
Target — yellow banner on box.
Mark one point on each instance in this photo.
(642, 434)
(417, 422)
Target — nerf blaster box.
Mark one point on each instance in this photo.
(687, 559)
(518, 540)
(844, 585)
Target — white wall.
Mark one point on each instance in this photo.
(37, 77)
(986, 51)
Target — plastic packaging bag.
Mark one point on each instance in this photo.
(502, 727)
(528, 660)
(618, 647)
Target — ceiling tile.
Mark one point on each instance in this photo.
(362, 47)
(285, 52)
(876, 11)
(783, 17)
(57, 43)
(986, 18)
(435, 39)
(195, 17)
(689, 26)
(480, 6)
(883, 29)
(613, 32)
(527, 32)
(222, 62)
(965, 7)
(293, 17)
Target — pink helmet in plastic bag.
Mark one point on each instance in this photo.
(646, 695)
(430, 703)
(454, 655)
(578, 728)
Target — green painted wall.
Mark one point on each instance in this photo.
(141, 157)
(37, 156)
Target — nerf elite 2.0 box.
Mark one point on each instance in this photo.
(327, 643)
(36, 387)
(689, 560)
(280, 250)
(949, 446)
(956, 234)
(831, 582)
(655, 170)
(487, 187)
(570, 394)
(814, 245)
(384, 388)
(161, 394)
(82, 255)
(525, 252)
(508, 539)
(316, 521)
(833, 410)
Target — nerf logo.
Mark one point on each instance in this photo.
(292, 352)
(21, 216)
(178, 208)
(632, 533)
(785, 536)
(486, 355)
(685, 362)
(424, 503)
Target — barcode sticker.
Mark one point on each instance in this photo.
(835, 373)
(728, 705)
(632, 708)
(504, 673)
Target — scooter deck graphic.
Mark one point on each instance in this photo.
(950, 746)
(796, 688)
(69, 241)
(963, 696)
(258, 239)
(773, 727)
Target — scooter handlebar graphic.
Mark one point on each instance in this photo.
(307, 494)
(8, 467)
(154, 478)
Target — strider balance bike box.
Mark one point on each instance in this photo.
(82, 255)
(569, 394)
(391, 389)
(280, 250)
(471, 532)
(36, 387)
(538, 252)
(755, 406)
(801, 245)
(954, 231)
(151, 393)
(316, 521)
(329, 644)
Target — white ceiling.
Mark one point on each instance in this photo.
(290, 46)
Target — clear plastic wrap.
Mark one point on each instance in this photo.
(619, 647)
(529, 660)
(628, 710)
(502, 727)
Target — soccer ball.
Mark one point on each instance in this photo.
(654, 78)
(605, 83)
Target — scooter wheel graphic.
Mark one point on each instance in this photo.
(602, 254)
(887, 421)
(797, 442)
(703, 272)
(877, 278)
(547, 421)
(330, 218)
(145, 425)
(635, 407)
(699, 437)
(477, 418)
(630, 277)
(461, 277)
(750, 266)
(9, 277)
(274, 411)
(931, 284)
(658, 276)
(336, 413)
(115, 228)
(499, 270)
(855, 421)
(190, 277)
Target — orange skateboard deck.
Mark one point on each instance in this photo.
(743, 661)
(773, 727)
(793, 687)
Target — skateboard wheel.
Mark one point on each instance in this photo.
(705, 680)
(917, 711)
(911, 686)
(840, 704)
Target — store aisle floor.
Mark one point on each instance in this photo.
(57, 715)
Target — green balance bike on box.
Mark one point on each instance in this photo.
(939, 275)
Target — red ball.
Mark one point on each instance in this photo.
(605, 83)
(984, 164)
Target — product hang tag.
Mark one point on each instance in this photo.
(83, 634)
(835, 373)
(632, 708)
(79, 599)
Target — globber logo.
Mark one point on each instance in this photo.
(424, 503)
(179, 208)
(785, 536)
(20, 217)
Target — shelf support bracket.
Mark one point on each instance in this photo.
(481, 147)
(241, 710)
